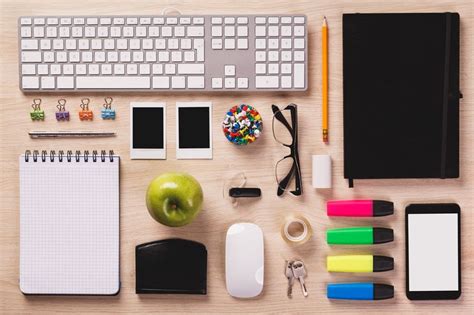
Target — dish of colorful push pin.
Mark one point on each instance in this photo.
(85, 113)
(242, 124)
(107, 112)
(37, 113)
(62, 114)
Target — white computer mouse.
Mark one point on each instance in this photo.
(244, 260)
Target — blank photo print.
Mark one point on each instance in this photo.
(148, 131)
(194, 130)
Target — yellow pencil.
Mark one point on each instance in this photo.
(325, 80)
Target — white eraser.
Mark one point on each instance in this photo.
(322, 171)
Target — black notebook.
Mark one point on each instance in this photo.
(401, 95)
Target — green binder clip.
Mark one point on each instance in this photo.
(37, 113)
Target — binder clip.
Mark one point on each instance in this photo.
(37, 113)
(85, 113)
(107, 112)
(62, 114)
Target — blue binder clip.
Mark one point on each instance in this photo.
(107, 112)
(62, 114)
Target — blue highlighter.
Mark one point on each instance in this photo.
(360, 291)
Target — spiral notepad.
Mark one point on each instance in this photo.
(69, 223)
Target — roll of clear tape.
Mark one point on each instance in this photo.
(296, 229)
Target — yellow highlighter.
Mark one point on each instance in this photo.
(359, 263)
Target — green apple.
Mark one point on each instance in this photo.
(174, 199)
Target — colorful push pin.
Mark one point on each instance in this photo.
(37, 113)
(85, 113)
(107, 112)
(62, 114)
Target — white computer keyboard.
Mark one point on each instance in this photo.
(160, 53)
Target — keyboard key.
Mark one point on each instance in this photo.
(145, 21)
(25, 31)
(153, 31)
(260, 20)
(105, 21)
(112, 82)
(178, 82)
(179, 31)
(199, 46)
(38, 31)
(266, 82)
(216, 20)
(260, 43)
(298, 30)
(286, 82)
(43, 69)
(299, 43)
(172, 21)
(29, 44)
(185, 43)
(45, 44)
(92, 21)
(25, 21)
(260, 56)
(216, 43)
(65, 21)
(161, 82)
(260, 68)
(30, 82)
(229, 70)
(119, 21)
(229, 83)
(299, 20)
(216, 31)
(243, 83)
(131, 68)
(176, 56)
(66, 82)
(189, 68)
(159, 21)
(299, 75)
(273, 20)
(132, 21)
(229, 20)
(273, 43)
(51, 32)
(229, 43)
(273, 68)
(195, 82)
(198, 20)
(195, 31)
(260, 31)
(184, 20)
(286, 31)
(31, 56)
(286, 43)
(77, 21)
(28, 69)
(170, 68)
(144, 68)
(48, 83)
(273, 31)
(242, 43)
(299, 55)
(119, 69)
(286, 20)
(286, 68)
(229, 31)
(189, 56)
(52, 21)
(286, 55)
(242, 31)
(242, 20)
(217, 83)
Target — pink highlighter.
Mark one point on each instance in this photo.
(359, 208)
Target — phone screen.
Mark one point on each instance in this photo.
(433, 252)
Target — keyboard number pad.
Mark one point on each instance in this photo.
(280, 52)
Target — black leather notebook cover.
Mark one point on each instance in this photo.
(171, 266)
(401, 95)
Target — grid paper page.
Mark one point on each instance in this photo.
(69, 226)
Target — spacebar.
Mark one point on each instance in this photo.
(112, 82)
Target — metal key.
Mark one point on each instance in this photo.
(299, 272)
(289, 275)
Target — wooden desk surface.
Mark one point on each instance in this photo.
(256, 160)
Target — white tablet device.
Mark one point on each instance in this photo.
(194, 130)
(148, 131)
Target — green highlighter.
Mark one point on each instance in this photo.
(359, 236)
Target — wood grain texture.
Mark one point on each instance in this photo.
(256, 160)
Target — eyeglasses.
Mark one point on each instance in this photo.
(285, 131)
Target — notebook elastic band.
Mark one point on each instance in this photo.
(444, 127)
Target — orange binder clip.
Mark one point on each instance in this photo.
(85, 113)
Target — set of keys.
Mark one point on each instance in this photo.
(295, 270)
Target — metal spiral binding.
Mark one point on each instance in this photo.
(43, 156)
